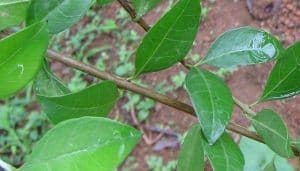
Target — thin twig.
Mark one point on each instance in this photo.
(246, 108)
(161, 130)
(186, 66)
(132, 13)
(141, 22)
(124, 84)
(148, 140)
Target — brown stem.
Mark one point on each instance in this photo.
(183, 63)
(244, 107)
(232, 126)
(141, 22)
(148, 141)
(124, 84)
(146, 27)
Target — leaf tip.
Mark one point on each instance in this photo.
(213, 137)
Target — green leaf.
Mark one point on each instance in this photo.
(12, 12)
(297, 144)
(274, 132)
(191, 156)
(104, 2)
(258, 156)
(212, 101)
(60, 14)
(21, 57)
(143, 6)
(284, 80)
(47, 84)
(88, 143)
(271, 166)
(170, 39)
(225, 154)
(96, 100)
(243, 46)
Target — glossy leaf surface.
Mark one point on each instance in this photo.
(170, 39)
(21, 56)
(212, 101)
(47, 84)
(243, 46)
(60, 14)
(191, 156)
(258, 156)
(272, 129)
(88, 143)
(96, 100)
(284, 80)
(225, 154)
(12, 12)
(143, 6)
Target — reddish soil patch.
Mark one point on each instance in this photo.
(280, 16)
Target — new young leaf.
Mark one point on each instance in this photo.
(12, 12)
(191, 156)
(284, 80)
(243, 46)
(21, 57)
(88, 143)
(212, 101)
(59, 14)
(170, 39)
(96, 100)
(272, 129)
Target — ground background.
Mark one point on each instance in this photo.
(107, 38)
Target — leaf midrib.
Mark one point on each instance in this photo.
(12, 3)
(270, 129)
(210, 96)
(21, 47)
(195, 140)
(279, 83)
(231, 52)
(162, 40)
(79, 151)
(62, 12)
(80, 108)
(225, 154)
(52, 79)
